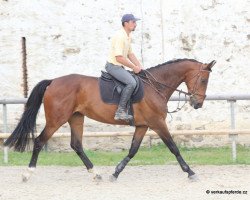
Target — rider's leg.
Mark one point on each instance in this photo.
(125, 77)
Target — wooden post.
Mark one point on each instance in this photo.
(24, 67)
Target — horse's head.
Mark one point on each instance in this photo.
(196, 81)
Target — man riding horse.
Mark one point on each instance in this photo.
(73, 97)
(121, 55)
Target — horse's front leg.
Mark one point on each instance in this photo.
(138, 136)
(162, 130)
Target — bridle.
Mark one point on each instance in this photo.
(152, 82)
(195, 88)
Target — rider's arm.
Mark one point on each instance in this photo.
(125, 62)
(134, 60)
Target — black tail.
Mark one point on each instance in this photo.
(19, 137)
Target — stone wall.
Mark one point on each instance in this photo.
(73, 36)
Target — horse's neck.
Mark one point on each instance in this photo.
(171, 75)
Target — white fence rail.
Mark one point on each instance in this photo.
(233, 133)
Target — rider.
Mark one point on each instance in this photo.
(121, 55)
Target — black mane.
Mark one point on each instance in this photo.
(174, 61)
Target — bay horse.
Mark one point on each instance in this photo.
(70, 98)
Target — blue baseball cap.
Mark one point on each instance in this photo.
(128, 17)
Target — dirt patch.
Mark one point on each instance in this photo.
(140, 182)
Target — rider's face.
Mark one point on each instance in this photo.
(131, 25)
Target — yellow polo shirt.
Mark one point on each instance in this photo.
(120, 46)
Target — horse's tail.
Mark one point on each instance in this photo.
(20, 136)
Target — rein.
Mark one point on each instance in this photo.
(151, 84)
(152, 81)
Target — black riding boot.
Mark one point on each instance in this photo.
(121, 113)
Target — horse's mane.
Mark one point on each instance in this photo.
(174, 61)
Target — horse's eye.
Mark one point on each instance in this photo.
(204, 81)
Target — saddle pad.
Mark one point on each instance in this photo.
(110, 95)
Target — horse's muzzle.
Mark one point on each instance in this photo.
(194, 103)
(197, 105)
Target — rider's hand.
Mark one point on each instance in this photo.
(137, 69)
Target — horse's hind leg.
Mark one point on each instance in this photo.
(162, 130)
(76, 125)
(39, 142)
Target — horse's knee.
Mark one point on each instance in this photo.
(132, 153)
(76, 146)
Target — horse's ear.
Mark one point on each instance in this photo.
(210, 65)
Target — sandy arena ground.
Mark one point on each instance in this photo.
(137, 183)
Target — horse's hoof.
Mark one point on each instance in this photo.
(193, 178)
(112, 178)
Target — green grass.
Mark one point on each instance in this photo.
(156, 155)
